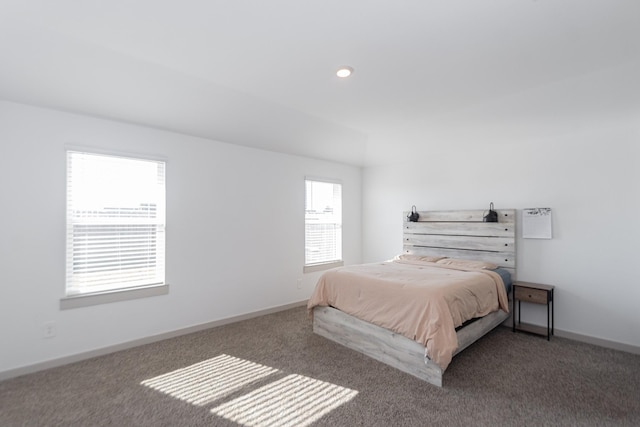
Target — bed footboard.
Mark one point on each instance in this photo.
(376, 342)
(390, 348)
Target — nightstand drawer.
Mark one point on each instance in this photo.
(537, 296)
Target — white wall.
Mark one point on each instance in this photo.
(235, 233)
(590, 177)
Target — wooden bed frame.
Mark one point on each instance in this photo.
(455, 234)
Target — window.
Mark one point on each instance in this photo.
(115, 223)
(323, 224)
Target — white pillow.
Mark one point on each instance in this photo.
(467, 263)
(420, 258)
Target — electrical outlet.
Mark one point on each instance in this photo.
(299, 283)
(49, 329)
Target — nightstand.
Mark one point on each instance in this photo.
(537, 294)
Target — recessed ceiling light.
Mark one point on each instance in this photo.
(344, 72)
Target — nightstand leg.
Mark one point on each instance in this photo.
(513, 314)
(552, 310)
(548, 324)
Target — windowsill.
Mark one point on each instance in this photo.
(311, 268)
(86, 300)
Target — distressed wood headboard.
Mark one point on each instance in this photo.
(463, 234)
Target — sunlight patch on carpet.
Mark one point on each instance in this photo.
(209, 380)
(294, 400)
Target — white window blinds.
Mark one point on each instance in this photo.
(323, 222)
(115, 223)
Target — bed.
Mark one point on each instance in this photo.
(435, 242)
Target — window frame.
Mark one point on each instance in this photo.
(324, 265)
(84, 299)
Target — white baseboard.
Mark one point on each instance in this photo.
(634, 349)
(598, 341)
(54, 363)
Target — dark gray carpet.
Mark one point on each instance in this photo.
(503, 379)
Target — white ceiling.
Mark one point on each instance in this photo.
(262, 73)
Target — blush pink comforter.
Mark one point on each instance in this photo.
(420, 300)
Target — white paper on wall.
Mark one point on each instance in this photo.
(536, 223)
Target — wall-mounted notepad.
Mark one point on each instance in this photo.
(536, 223)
